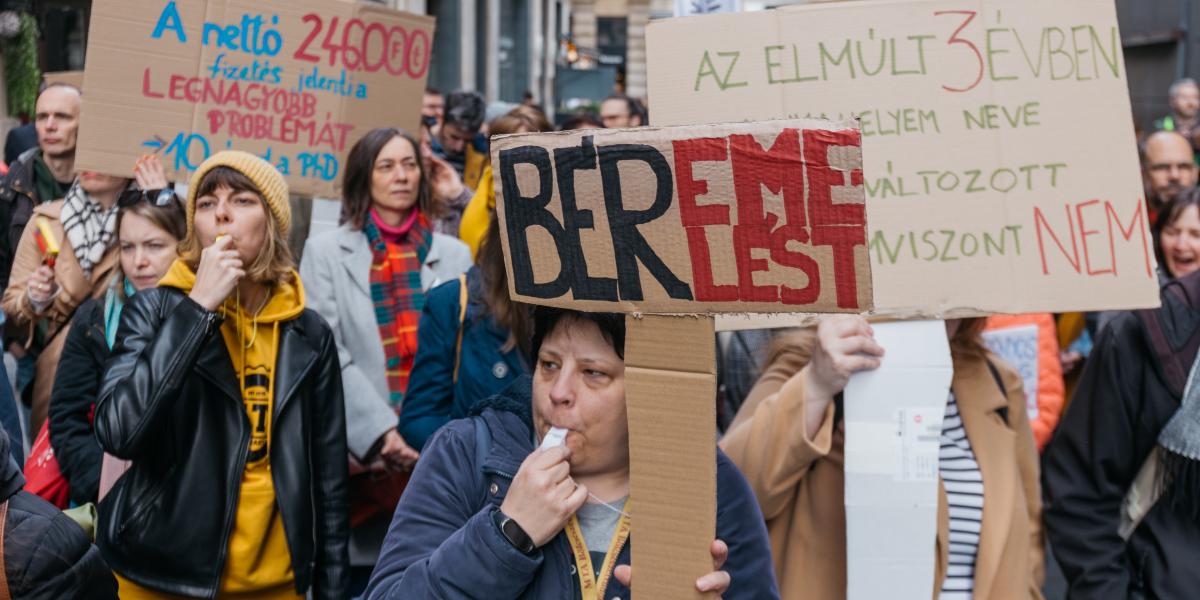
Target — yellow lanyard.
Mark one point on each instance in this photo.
(590, 588)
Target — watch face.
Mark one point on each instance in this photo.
(517, 536)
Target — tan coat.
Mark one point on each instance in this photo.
(74, 288)
(799, 484)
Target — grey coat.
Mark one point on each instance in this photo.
(336, 273)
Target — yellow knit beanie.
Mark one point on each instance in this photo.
(265, 177)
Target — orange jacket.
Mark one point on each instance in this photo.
(1011, 337)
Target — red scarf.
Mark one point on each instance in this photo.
(397, 256)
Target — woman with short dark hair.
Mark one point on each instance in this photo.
(489, 514)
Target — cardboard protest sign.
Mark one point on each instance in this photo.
(893, 420)
(764, 217)
(1000, 166)
(294, 81)
(71, 78)
(1018, 346)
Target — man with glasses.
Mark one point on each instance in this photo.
(1168, 168)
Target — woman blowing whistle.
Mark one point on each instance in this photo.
(225, 393)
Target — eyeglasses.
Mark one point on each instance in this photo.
(159, 197)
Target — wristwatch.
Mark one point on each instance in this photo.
(513, 532)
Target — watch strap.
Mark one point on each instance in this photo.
(512, 531)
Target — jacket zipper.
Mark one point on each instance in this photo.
(231, 515)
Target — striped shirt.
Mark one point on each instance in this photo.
(964, 499)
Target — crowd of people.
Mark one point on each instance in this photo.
(197, 407)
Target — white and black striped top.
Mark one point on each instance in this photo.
(964, 496)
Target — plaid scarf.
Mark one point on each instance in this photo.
(398, 298)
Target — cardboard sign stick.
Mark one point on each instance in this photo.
(670, 383)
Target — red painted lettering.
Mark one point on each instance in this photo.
(696, 217)
(1040, 223)
(1137, 224)
(842, 226)
(146, 85)
(1084, 232)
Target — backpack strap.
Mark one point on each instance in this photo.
(1003, 410)
(462, 317)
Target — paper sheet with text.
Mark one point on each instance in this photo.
(893, 431)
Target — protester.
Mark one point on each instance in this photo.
(225, 393)
(458, 140)
(790, 443)
(1048, 397)
(1184, 99)
(47, 556)
(45, 290)
(479, 213)
(18, 141)
(472, 345)
(619, 111)
(583, 120)
(368, 279)
(433, 106)
(1168, 169)
(468, 524)
(1121, 475)
(1177, 233)
(40, 175)
(150, 223)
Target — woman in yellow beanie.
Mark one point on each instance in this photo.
(225, 393)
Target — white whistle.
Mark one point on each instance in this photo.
(557, 436)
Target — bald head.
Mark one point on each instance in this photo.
(1170, 166)
(57, 120)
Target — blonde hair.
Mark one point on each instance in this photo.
(274, 263)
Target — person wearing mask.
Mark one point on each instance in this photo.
(482, 207)
(1168, 169)
(150, 224)
(45, 290)
(789, 440)
(472, 345)
(39, 175)
(1184, 99)
(458, 140)
(1121, 476)
(485, 494)
(620, 111)
(225, 392)
(368, 279)
(47, 556)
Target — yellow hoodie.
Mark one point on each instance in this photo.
(258, 564)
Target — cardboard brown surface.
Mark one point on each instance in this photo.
(670, 383)
(764, 217)
(72, 78)
(1000, 166)
(294, 81)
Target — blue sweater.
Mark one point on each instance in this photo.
(433, 398)
(444, 544)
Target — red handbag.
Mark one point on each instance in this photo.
(42, 474)
(374, 491)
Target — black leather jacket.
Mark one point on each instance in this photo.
(170, 401)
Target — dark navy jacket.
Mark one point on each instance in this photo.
(444, 544)
(433, 397)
